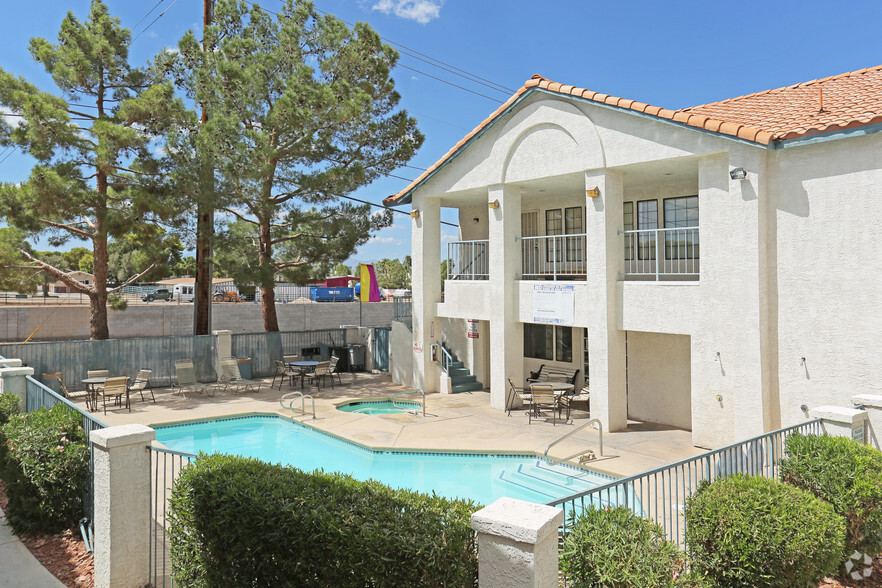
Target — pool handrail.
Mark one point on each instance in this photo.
(411, 411)
(552, 461)
(292, 396)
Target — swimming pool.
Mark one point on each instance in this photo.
(481, 477)
(380, 407)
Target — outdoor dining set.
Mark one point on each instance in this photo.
(550, 390)
(292, 368)
(99, 385)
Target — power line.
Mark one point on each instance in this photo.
(389, 208)
(154, 20)
(7, 156)
(148, 14)
(449, 83)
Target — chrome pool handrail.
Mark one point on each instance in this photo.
(552, 461)
(411, 411)
(291, 397)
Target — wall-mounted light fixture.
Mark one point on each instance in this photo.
(738, 174)
(802, 361)
(804, 408)
(719, 397)
(593, 192)
(415, 213)
(476, 220)
(717, 356)
(493, 204)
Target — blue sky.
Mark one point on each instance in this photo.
(674, 54)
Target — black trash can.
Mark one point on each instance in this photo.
(356, 357)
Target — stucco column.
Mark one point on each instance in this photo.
(872, 403)
(122, 505)
(606, 339)
(517, 544)
(223, 348)
(506, 332)
(12, 379)
(426, 284)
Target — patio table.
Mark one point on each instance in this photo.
(91, 384)
(305, 368)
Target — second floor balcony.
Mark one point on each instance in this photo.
(670, 254)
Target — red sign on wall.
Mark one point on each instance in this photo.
(473, 329)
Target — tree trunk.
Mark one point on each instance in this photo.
(267, 287)
(203, 292)
(98, 294)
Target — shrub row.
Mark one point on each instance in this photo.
(241, 522)
(45, 467)
(743, 530)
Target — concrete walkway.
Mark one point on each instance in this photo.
(18, 568)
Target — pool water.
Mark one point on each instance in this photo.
(379, 407)
(480, 477)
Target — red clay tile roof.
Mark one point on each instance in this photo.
(849, 100)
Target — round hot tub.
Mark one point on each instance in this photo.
(380, 407)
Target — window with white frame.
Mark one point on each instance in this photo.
(647, 218)
(681, 212)
(628, 222)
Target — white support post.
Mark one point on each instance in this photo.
(872, 403)
(12, 379)
(224, 348)
(838, 421)
(517, 544)
(122, 505)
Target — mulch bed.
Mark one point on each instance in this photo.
(64, 554)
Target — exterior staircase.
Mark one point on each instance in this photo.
(461, 378)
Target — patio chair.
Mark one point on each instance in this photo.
(115, 388)
(283, 370)
(185, 379)
(73, 394)
(332, 370)
(290, 358)
(567, 400)
(231, 377)
(515, 393)
(542, 397)
(140, 384)
(97, 374)
(322, 370)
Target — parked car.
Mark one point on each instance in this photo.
(158, 294)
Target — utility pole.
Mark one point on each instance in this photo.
(204, 224)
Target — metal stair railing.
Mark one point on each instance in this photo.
(405, 409)
(291, 397)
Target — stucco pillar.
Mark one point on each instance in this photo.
(517, 544)
(872, 403)
(426, 285)
(606, 339)
(223, 348)
(506, 332)
(12, 379)
(122, 505)
(838, 421)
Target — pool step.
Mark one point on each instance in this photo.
(549, 481)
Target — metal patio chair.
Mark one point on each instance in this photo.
(322, 370)
(543, 397)
(515, 392)
(283, 370)
(185, 379)
(231, 377)
(73, 394)
(140, 384)
(115, 387)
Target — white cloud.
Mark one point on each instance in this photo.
(172, 50)
(422, 11)
(384, 241)
(13, 121)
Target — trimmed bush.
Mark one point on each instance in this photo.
(8, 407)
(752, 531)
(235, 521)
(47, 469)
(616, 548)
(848, 475)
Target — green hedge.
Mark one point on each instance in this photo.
(752, 531)
(47, 469)
(240, 522)
(614, 547)
(848, 475)
(8, 408)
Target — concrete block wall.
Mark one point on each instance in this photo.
(161, 319)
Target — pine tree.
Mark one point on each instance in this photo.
(92, 146)
(303, 112)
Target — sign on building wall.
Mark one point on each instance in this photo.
(553, 304)
(473, 329)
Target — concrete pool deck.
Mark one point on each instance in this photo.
(456, 422)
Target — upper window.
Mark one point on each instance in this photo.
(628, 222)
(573, 226)
(647, 218)
(681, 214)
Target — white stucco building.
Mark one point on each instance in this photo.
(617, 238)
